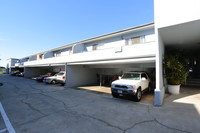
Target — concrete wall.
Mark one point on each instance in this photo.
(58, 68)
(30, 72)
(79, 75)
(121, 71)
(171, 12)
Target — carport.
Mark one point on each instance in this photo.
(14, 68)
(100, 74)
(36, 70)
(184, 38)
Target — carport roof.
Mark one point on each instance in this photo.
(184, 35)
(145, 60)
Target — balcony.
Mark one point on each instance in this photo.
(120, 52)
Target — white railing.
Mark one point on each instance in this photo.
(129, 51)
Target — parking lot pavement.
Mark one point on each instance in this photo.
(34, 107)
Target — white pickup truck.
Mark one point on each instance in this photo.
(131, 83)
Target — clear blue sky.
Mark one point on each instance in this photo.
(31, 26)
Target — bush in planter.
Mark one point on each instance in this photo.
(175, 69)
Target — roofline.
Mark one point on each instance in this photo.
(116, 33)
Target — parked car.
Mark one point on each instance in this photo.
(14, 73)
(20, 74)
(41, 77)
(61, 77)
(51, 79)
(132, 84)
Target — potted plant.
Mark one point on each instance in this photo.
(175, 72)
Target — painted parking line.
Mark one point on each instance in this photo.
(9, 126)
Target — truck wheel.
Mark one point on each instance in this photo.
(115, 95)
(138, 95)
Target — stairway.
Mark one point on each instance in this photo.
(193, 82)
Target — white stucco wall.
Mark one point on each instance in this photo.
(78, 75)
(121, 40)
(130, 51)
(171, 12)
(66, 52)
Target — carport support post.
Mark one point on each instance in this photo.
(160, 89)
(100, 80)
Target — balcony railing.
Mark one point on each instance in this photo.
(123, 52)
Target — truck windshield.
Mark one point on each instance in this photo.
(133, 76)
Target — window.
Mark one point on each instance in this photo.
(137, 40)
(94, 47)
(133, 76)
(98, 46)
(57, 54)
(144, 76)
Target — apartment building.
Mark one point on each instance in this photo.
(139, 48)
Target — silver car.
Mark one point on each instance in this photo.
(50, 80)
(61, 78)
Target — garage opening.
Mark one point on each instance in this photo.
(15, 70)
(31, 72)
(101, 75)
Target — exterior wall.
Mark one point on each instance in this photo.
(120, 40)
(11, 63)
(171, 12)
(31, 72)
(66, 52)
(58, 68)
(119, 71)
(78, 75)
(129, 51)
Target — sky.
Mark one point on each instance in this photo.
(28, 27)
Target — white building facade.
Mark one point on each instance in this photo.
(138, 48)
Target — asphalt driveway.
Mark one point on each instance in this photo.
(40, 108)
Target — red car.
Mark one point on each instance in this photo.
(41, 77)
